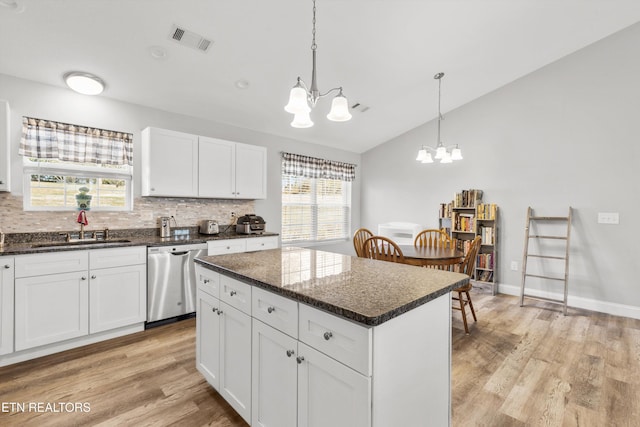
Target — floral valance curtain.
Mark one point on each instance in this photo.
(45, 139)
(313, 167)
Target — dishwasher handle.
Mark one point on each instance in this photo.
(179, 253)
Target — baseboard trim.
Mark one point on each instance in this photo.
(578, 302)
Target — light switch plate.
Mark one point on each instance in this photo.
(514, 265)
(608, 218)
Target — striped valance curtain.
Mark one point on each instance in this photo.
(44, 139)
(313, 167)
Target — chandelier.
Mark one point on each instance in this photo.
(303, 99)
(442, 153)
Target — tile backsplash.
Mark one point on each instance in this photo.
(145, 214)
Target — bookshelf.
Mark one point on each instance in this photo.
(466, 217)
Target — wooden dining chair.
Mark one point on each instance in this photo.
(359, 237)
(383, 249)
(466, 267)
(432, 238)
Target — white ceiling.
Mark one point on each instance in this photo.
(383, 52)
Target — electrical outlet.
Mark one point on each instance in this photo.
(514, 265)
(233, 214)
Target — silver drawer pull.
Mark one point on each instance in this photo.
(7, 266)
(271, 310)
(327, 335)
(300, 359)
(219, 312)
(232, 293)
(228, 247)
(215, 310)
(290, 353)
(84, 277)
(206, 280)
(93, 276)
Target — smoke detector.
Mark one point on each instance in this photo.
(190, 39)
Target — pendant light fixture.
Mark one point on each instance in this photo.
(303, 99)
(442, 153)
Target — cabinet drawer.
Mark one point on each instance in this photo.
(275, 310)
(51, 263)
(236, 294)
(343, 340)
(117, 257)
(208, 281)
(221, 247)
(262, 243)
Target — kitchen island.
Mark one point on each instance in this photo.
(299, 337)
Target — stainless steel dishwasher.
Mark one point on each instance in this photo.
(171, 281)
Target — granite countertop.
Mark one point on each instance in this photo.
(31, 243)
(363, 290)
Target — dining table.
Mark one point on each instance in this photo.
(435, 257)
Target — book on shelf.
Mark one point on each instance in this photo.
(463, 222)
(467, 198)
(484, 276)
(485, 261)
(487, 211)
(445, 210)
(486, 233)
(463, 245)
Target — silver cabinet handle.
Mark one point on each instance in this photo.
(290, 353)
(153, 189)
(93, 276)
(84, 277)
(7, 266)
(300, 359)
(206, 280)
(232, 293)
(327, 335)
(271, 310)
(215, 310)
(228, 247)
(219, 312)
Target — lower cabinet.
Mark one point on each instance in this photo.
(66, 295)
(6, 304)
(223, 351)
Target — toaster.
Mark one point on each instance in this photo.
(209, 226)
(250, 224)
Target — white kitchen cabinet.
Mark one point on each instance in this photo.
(169, 163)
(330, 393)
(223, 344)
(176, 164)
(5, 147)
(65, 295)
(232, 170)
(51, 308)
(234, 246)
(6, 304)
(275, 377)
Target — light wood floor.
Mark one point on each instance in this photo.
(520, 366)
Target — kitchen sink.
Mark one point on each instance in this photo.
(75, 243)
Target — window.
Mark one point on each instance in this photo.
(315, 208)
(68, 167)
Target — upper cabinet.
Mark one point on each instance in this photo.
(5, 165)
(176, 164)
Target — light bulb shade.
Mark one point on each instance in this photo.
(422, 154)
(297, 101)
(302, 120)
(84, 83)
(339, 109)
(446, 158)
(441, 151)
(427, 158)
(456, 154)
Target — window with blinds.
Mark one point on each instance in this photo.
(315, 209)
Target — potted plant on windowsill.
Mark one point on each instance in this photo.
(83, 200)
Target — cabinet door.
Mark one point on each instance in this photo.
(169, 163)
(275, 377)
(208, 338)
(118, 297)
(217, 171)
(251, 172)
(6, 305)
(51, 308)
(5, 165)
(329, 393)
(235, 359)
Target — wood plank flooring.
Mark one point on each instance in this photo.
(519, 367)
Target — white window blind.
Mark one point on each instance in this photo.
(315, 209)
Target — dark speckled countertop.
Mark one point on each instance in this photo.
(363, 290)
(31, 243)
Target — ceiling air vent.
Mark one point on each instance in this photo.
(190, 39)
(359, 107)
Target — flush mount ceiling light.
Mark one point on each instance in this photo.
(84, 83)
(442, 153)
(303, 99)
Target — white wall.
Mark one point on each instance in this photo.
(27, 98)
(565, 135)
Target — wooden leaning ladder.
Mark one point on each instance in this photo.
(549, 219)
